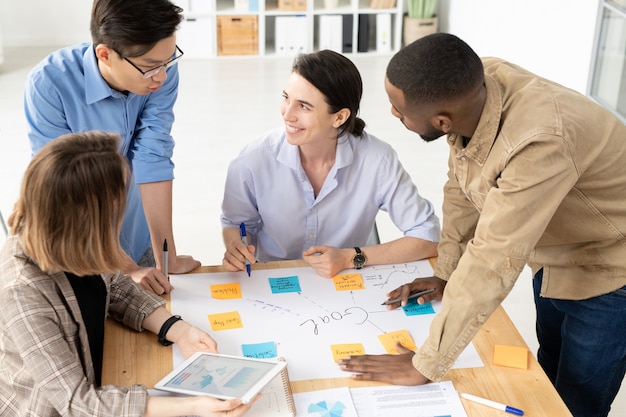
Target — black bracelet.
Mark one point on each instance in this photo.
(165, 328)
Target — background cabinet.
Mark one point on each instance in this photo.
(287, 27)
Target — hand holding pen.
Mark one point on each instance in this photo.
(244, 239)
(422, 289)
(239, 252)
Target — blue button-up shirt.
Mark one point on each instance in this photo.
(66, 93)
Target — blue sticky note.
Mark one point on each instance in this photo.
(259, 350)
(285, 284)
(414, 309)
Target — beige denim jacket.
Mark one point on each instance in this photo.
(542, 181)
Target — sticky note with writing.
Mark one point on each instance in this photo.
(389, 340)
(347, 349)
(225, 321)
(259, 350)
(347, 282)
(284, 284)
(226, 291)
(414, 309)
(511, 356)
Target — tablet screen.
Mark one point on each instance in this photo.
(221, 376)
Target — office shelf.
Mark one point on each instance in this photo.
(287, 27)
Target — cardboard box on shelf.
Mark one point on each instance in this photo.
(237, 35)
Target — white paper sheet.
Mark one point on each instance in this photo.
(430, 400)
(304, 324)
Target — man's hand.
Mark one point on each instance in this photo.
(418, 284)
(182, 264)
(328, 261)
(151, 279)
(392, 369)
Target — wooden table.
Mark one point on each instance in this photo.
(137, 358)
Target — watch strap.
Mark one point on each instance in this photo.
(165, 328)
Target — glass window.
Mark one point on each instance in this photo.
(608, 80)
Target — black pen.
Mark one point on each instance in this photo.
(411, 296)
(165, 267)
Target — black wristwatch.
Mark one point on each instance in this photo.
(164, 329)
(359, 258)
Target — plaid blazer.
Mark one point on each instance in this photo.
(45, 362)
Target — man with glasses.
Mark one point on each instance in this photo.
(124, 81)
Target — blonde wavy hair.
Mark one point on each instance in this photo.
(71, 204)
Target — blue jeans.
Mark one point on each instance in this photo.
(582, 348)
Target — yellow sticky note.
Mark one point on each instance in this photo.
(390, 339)
(226, 291)
(225, 321)
(347, 282)
(347, 349)
(511, 356)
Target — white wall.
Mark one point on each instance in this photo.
(552, 38)
(44, 22)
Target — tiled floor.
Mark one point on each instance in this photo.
(223, 104)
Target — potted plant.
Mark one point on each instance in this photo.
(421, 19)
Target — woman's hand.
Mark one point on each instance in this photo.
(161, 406)
(236, 251)
(190, 339)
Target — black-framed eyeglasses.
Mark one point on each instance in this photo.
(154, 71)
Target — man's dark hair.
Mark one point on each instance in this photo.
(434, 69)
(132, 27)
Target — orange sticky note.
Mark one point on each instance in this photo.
(390, 339)
(226, 291)
(225, 321)
(346, 282)
(511, 356)
(347, 349)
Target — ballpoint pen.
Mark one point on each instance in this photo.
(411, 296)
(493, 404)
(244, 239)
(164, 265)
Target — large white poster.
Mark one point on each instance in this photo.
(307, 319)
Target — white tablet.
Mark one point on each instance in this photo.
(221, 376)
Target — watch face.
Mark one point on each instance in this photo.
(359, 260)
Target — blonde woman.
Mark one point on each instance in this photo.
(59, 281)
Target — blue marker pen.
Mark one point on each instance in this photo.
(493, 404)
(244, 239)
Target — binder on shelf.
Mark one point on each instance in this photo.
(363, 34)
(290, 36)
(347, 33)
(331, 32)
(383, 32)
(196, 37)
(277, 398)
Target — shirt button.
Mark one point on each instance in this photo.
(311, 235)
(441, 368)
(463, 158)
